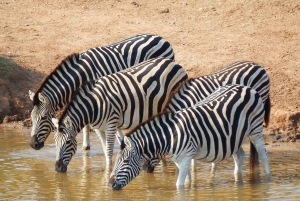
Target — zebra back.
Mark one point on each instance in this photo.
(134, 94)
(244, 73)
(96, 62)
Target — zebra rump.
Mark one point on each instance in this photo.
(211, 131)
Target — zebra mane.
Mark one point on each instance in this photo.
(68, 58)
(63, 111)
(172, 94)
(145, 122)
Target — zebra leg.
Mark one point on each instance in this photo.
(258, 141)
(184, 171)
(102, 137)
(238, 160)
(110, 141)
(86, 138)
(120, 135)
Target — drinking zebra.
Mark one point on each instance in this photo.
(193, 90)
(57, 89)
(118, 101)
(211, 131)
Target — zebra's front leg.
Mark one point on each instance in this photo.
(110, 134)
(101, 135)
(119, 135)
(184, 171)
(238, 161)
(86, 138)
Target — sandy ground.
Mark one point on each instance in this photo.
(206, 35)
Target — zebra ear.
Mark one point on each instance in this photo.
(68, 122)
(31, 95)
(43, 99)
(55, 122)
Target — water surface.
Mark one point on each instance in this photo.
(27, 174)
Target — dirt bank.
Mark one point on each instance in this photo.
(205, 35)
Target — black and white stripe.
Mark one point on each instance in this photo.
(57, 89)
(246, 73)
(210, 131)
(118, 101)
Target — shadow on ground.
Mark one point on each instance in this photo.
(15, 82)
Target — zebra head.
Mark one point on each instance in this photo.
(66, 144)
(41, 121)
(127, 165)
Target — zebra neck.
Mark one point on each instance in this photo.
(154, 138)
(88, 109)
(65, 81)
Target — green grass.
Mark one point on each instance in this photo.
(6, 66)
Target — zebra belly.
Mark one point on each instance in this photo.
(213, 154)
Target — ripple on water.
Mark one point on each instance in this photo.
(27, 174)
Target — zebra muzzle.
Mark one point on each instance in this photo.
(60, 166)
(35, 144)
(112, 184)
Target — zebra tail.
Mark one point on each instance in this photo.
(253, 159)
(267, 108)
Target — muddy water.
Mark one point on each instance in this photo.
(26, 174)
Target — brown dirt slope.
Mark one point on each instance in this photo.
(205, 35)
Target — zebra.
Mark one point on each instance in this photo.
(211, 130)
(193, 90)
(57, 89)
(118, 101)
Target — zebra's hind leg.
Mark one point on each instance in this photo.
(258, 141)
(184, 171)
(238, 161)
(86, 138)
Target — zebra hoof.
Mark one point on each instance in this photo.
(86, 147)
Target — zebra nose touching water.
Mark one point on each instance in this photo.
(57, 89)
(212, 130)
(118, 101)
